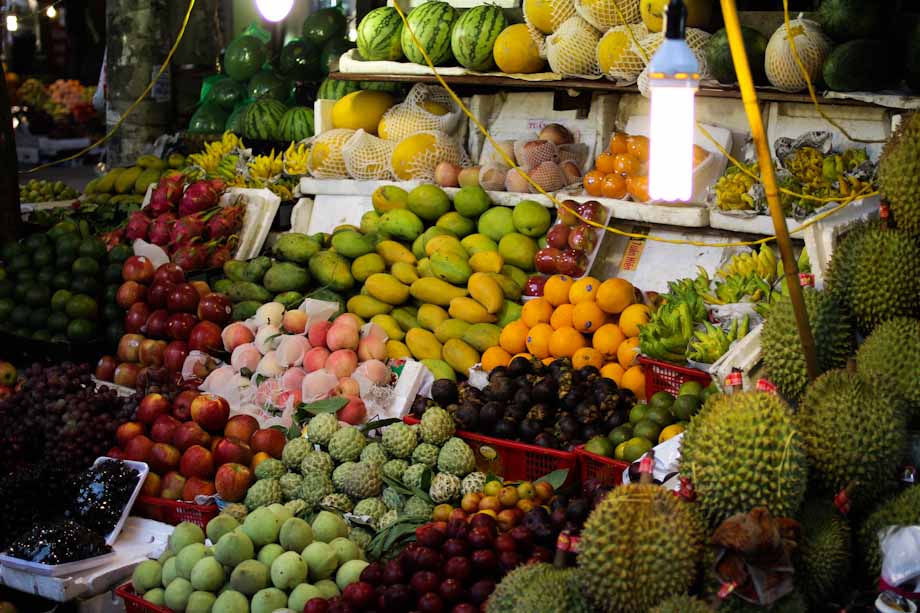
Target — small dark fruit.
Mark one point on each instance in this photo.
(484, 521)
(523, 396)
(485, 562)
(424, 581)
(392, 572)
(359, 595)
(372, 573)
(419, 405)
(546, 440)
(505, 429)
(490, 414)
(428, 536)
(508, 560)
(481, 590)
(465, 607)
(545, 391)
(455, 547)
(516, 412)
(541, 554)
(452, 590)
(480, 538)
(459, 568)
(505, 542)
(467, 418)
(529, 429)
(395, 599)
(577, 511)
(427, 558)
(519, 367)
(457, 529)
(444, 392)
(316, 605)
(430, 603)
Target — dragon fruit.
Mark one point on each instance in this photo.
(186, 229)
(227, 221)
(219, 256)
(138, 226)
(198, 197)
(161, 229)
(190, 256)
(159, 205)
(113, 237)
(218, 185)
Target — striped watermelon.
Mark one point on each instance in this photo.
(392, 87)
(235, 120)
(296, 124)
(474, 36)
(379, 33)
(333, 90)
(431, 23)
(262, 118)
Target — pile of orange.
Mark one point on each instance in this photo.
(588, 321)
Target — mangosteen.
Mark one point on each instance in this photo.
(498, 371)
(587, 374)
(627, 400)
(591, 430)
(546, 440)
(490, 414)
(469, 394)
(529, 429)
(500, 389)
(614, 420)
(537, 367)
(515, 412)
(543, 414)
(558, 366)
(523, 397)
(572, 399)
(545, 390)
(467, 418)
(419, 405)
(567, 427)
(505, 429)
(557, 518)
(560, 501)
(452, 408)
(519, 367)
(577, 511)
(444, 392)
(537, 520)
(602, 388)
(564, 382)
(587, 412)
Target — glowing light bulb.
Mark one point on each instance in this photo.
(51, 12)
(274, 10)
(12, 23)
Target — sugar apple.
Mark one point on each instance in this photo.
(270, 468)
(417, 509)
(472, 483)
(346, 444)
(444, 488)
(456, 458)
(236, 510)
(412, 477)
(394, 469)
(263, 493)
(362, 481)
(321, 427)
(360, 536)
(426, 454)
(317, 461)
(370, 507)
(436, 426)
(388, 519)
(393, 499)
(314, 488)
(294, 452)
(374, 453)
(290, 485)
(297, 507)
(338, 502)
(338, 475)
(399, 440)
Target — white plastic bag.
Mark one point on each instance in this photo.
(900, 546)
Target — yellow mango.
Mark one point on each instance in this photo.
(445, 243)
(389, 325)
(393, 252)
(440, 369)
(451, 328)
(469, 311)
(460, 356)
(481, 336)
(397, 349)
(387, 288)
(423, 344)
(450, 266)
(487, 261)
(424, 268)
(366, 265)
(405, 316)
(486, 291)
(435, 291)
(430, 315)
(366, 307)
(405, 272)
(510, 288)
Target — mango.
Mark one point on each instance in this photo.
(256, 269)
(428, 201)
(515, 274)
(107, 181)
(369, 222)
(451, 328)
(233, 269)
(474, 243)
(367, 265)
(451, 267)
(456, 223)
(397, 350)
(352, 244)
(469, 311)
(435, 291)
(511, 290)
(440, 369)
(290, 300)
(482, 336)
(424, 268)
(286, 277)
(418, 247)
(431, 315)
(472, 201)
(486, 261)
(486, 291)
(460, 356)
(387, 288)
(402, 224)
(366, 307)
(144, 180)
(242, 291)
(389, 197)
(423, 344)
(405, 316)
(389, 325)
(126, 180)
(296, 247)
(518, 250)
(496, 222)
(343, 227)
(332, 270)
(245, 309)
(445, 243)
(405, 272)
(431, 233)
(151, 161)
(393, 252)
(510, 311)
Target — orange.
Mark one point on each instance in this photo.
(612, 370)
(586, 356)
(626, 164)
(548, 361)
(556, 289)
(637, 187)
(634, 379)
(593, 181)
(614, 295)
(583, 289)
(523, 354)
(607, 340)
(538, 340)
(614, 186)
(604, 163)
(565, 342)
(637, 146)
(495, 356)
(562, 316)
(588, 317)
(513, 337)
(618, 142)
(628, 352)
(632, 317)
(536, 311)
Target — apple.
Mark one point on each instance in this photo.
(572, 263)
(359, 595)
(152, 353)
(232, 481)
(592, 211)
(241, 427)
(173, 483)
(169, 272)
(201, 287)
(355, 412)
(182, 404)
(558, 236)
(545, 260)
(197, 461)
(567, 212)
(155, 327)
(153, 485)
(534, 285)
(164, 429)
(128, 347)
(156, 295)
(136, 317)
(232, 450)
(180, 326)
(138, 448)
(126, 374)
(215, 441)
(105, 368)
(205, 336)
(269, 440)
(127, 431)
(164, 457)
(582, 237)
(174, 356)
(197, 487)
(468, 177)
(151, 407)
(218, 308)
(182, 298)
(130, 292)
(137, 268)
(210, 412)
(188, 434)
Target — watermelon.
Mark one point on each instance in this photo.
(392, 87)
(266, 84)
(333, 90)
(208, 119)
(845, 20)
(324, 25)
(244, 57)
(431, 23)
(261, 120)
(235, 120)
(296, 124)
(379, 33)
(299, 61)
(226, 93)
(859, 65)
(474, 36)
(719, 56)
(329, 59)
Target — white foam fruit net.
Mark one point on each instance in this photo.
(368, 157)
(604, 14)
(696, 39)
(619, 57)
(543, 17)
(572, 49)
(326, 160)
(426, 107)
(416, 156)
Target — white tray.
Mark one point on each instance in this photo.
(142, 469)
(56, 570)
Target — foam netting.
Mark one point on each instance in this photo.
(696, 39)
(543, 17)
(572, 49)
(368, 157)
(418, 161)
(415, 114)
(619, 56)
(812, 45)
(602, 14)
(326, 160)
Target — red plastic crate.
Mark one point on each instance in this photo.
(666, 377)
(515, 461)
(174, 512)
(606, 470)
(134, 603)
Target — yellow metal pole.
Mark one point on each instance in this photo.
(768, 178)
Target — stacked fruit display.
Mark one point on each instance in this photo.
(46, 191)
(129, 184)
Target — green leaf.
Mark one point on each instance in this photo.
(378, 423)
(397, 485)
(386, 541)
(555, 478)
(424, 486)
(326, 405)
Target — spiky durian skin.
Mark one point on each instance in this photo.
(899, 175)
(681, 604)
(793, 602)
(840, 268)
(782, 349)
(900, 510)
(640, 545)
(823, 553)
(890, 357)
(742, 451)
(884, 282)
(853, 431)
(538, 588)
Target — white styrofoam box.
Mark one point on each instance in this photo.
(743, 356)
(792, 119)
(301, 214)
(322, 115)
(666, 213)
(748, 222)
(329, 212)
(29, 207)
(822, 237)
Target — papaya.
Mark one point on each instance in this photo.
(451, 328)
(106, 183)
(393, 252)
(405, 272)
(486, 261)
(486, 291)
(387, 288)
(367, 265)
(145, 179)
(397, 350)
(440, 369)
(389, 325)
(435, 291)
(431, 315)
(366, 307)
(352, 244)
(332, 270)
(423, 344)
(424, 268)
(405, 316)
(460, 356)
(482, 336)
(451, 267)
(469, 311)
(242, 291)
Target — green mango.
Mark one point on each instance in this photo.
(352, 244)
(256, 269)
(242, 291)
(290, 300)
(286, 277)
(234, 269)
(245, 309)
(296, 247)
(451, 267)
(332, 270)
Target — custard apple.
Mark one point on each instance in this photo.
(362, 481)
(270, 468)
(346, 444)
(399, 440)
(394, 469)
(388, 519)
(436, 426)
(338, 502)
(370, 507)
(294, 452)
(412, 478)
(314, 488)
(263, 493)
(456, 458)
(236, 510)
(317, 461)
(375, 454)
(417, 509)
(444, 487)
(393, 499)
(361, 536)
(426, 454)
(473, 482)
(321, 427)
(297, 507)
(290, 485)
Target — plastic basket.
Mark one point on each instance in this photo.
(134, 603)
(174, 512)
(512, 460)
(666, 377)
(606, 470)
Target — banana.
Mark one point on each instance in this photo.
(295, 159)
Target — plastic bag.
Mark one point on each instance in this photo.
(416, 156)
(900, 547)
(326, 159)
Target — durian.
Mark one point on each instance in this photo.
(682, 604)
(538, 588)
(823, 554)
(742, 451)
(793, 602)
(840, 269)
(640, 545)
(890, 358)
(899, 175)
(901, 510)
(782, 349)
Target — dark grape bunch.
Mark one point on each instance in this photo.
(59, 542)
(102, 493)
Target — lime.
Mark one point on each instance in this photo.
(81, 306)
(41, 335)
(60, 299)
(635, 448)
(114, 331)
(61, 280)
(709, 390)
(38, 295)
(647, 429)
(26, 276)
(43, 256)
(24, 332)
(38, 318)
(120, 253)
(9, 249)
(670, 432)
(92, 248)
(691, 388)
(6, 308)
(61, 228)
(35, 241)
(82, 284)
(58, 338)
(686, 406)
(81, 330)
(662, 417)
(57, 321)
(44, 276)
(637, 413)
(112, 312)
(620, 434)
(64, 261)
(113, 273)
(85, 266)
(661, 399)
(600, 445)
(19, 262)
(110, 293)
(68, 243)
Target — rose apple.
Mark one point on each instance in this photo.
(211, 412)
(205, 336)
(153, 485)
(156, 295)
(156, 324)
(137, 268)
(136, 317)
(151, 407)
(170, 272)
(197, 461)
(534, 285)
(130, 292)
(567, 213)
(241, 426)
(201, 287)
(128, 347)
(188, 434)
(152, 353)
(164, 457)
(138, 448)
(232, 481)
(182, 298)
(182, 404)
(173, 483)
(545, 260)
(269, 440)
(572, 262)
(126, 374)
(164, 429)
(215, 308)
(127, 431)
(558, 236)
(197, 487)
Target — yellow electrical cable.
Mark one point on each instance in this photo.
(134, 105)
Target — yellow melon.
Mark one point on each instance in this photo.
(652, 11)
(515, 51)
(547, 15)
(361, 110)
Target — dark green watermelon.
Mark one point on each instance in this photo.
(235, 120)
(226, 93)
(845, 20)
(392, 87)
(719, 56)
(208, 119)
(266, 84)
(299, 61)
(334, 90)
(331, 53)
(324, 25)
(296, 124)
(244, 58)
(260, 122)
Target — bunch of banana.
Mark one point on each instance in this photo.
(265, 167)
(226, 168)
(668, 332)
(760, 263)
(710, 344)
(738, 288)
(295, 159)
(209, 160)
(731, 189)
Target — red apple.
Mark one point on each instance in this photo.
(153, 485)
(130, 292)
(188, 434)
(138, 448)
(592, 211)
(156, 295)
(211, 412)
(183, 298)
(232, 481)
(205, 336)
(558, 236)
(105, 368)
(197, 487)
(182, 404)
(202, 288)
(164, 429)
(582, 237)
(269, 440)
(127, 431)
(128, 347)
(566, 212)
(572, 263)
(241, 427)
(136, 317)
(152, 353)
(137, 268)
(156, 324)
(355, 412)
(174, 356)
(215, 441)
(173, 483)
(232, 450)
(164, 457)
(169, 272)
(534, 285)
(180, 326)
(197, 461)
(215, 307)
(545, 260)
(151, 407)
(126, 374)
